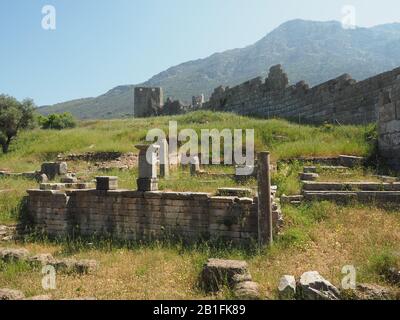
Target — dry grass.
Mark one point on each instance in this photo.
(331, 238)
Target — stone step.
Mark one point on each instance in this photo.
(378, 197)
(291, 199)
(308, 176)
(350, 186)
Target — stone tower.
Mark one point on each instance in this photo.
(148, 101)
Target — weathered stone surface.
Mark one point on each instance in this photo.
(247, 290)
(8, 294)
(43, 178)
(217, 273)
(13, 255)
(42, 260)
(335, 101)
(86, 266)
(106, 183)
(237, 278)
(366, 291)
(312, 286)
(234, 192)
(75, 266)
(287, 288)
(148, 101)
(69, 178)
(308, 176)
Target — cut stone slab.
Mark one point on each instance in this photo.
(42, 260)
(287, 288)
(13, 255)
(291, 199)
(247, 290)
(313, 286)
(238, 278)
(351, 161)
(86, 266)
(310, 170)
(68, 178)
(8, 294)
(234, 192)
(308, 176)
(217, 273)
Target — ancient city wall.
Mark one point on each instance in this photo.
(389, 125)
(134, 215)
(341, 100)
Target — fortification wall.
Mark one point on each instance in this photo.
(134, 215)
(389, 125)
(342, 100)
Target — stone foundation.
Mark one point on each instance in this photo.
(134, 215)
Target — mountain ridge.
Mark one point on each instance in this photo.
(312, 51)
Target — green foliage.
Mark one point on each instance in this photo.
(380, 262)
(57, 121)
(14, 117)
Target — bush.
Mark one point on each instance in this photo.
(58, 121)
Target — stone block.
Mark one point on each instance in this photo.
(234, 192)
(106, 183)
(8, 294)
(147, 184)
(308, 176)
(312, 286)
(217, 273)
(287, 288)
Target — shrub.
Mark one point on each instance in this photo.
(58, 121)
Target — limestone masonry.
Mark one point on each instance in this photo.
(389, 125)
(135, 215)
(342, 100)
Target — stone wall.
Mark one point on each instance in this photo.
(342, 100)
(134, 215)
(389, 125)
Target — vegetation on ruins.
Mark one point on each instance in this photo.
(15, 116)
(316, 236)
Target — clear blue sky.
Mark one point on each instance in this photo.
(99, 44)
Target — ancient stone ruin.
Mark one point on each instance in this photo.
(148, 101)
(342, 100)
(389, 124)
(149, 214)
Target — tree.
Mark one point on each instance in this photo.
(14, 117)
(57, 121)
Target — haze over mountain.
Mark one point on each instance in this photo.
(308, 50)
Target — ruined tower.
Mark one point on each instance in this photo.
(148, 101)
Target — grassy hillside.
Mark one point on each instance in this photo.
(316, 236)
(282, 138)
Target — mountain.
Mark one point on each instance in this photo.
(308, 50)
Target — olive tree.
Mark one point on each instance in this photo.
(14, 117)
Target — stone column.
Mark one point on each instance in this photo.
(264, 200)
(147, 180)
(194, 165)
(164, 159)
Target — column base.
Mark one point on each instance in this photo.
(147, 184)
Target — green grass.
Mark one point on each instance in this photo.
(316, 236)
(12, 200)
(282, 138)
